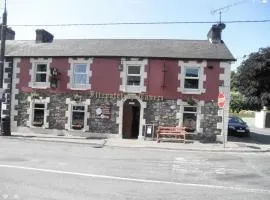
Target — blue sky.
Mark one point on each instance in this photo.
(242, 39)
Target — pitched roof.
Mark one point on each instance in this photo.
(159, 48)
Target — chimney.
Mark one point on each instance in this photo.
(43, 36)
(10, 34)
(214, 34)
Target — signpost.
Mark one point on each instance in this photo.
(221, 103)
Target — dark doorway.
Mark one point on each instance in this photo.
(131, 119)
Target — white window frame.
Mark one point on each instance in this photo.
(182, 77)
(70, 103)
(30, 111)
(34, 109)
(73, 63)
(80, 111)
(124, 74)
(33, 72)
(191, 112)
(200, 116)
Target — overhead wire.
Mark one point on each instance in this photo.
(141, 23)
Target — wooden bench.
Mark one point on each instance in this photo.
(169, 131)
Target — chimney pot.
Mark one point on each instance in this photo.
(43, 36)
(214, 34)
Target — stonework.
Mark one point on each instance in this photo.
(210, 121)
(161, 112)
(156, 112)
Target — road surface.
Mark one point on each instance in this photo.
(35, 170)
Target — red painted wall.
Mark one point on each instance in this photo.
(106, 77)
(24, 75)
(163, 78)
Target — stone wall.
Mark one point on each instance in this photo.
(157, 112)
(58, 107)
(209, 122)
(161, 112)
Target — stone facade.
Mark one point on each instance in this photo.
(57, 108)
(160, 112)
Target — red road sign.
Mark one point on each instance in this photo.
(221, 100)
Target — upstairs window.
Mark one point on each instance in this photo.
(80, 75)
(41, 73)
(192, 78)
(134, 75)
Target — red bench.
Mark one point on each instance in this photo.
(177, 132)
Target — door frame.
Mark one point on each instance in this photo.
(119, 119)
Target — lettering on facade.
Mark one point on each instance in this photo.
(144, 97)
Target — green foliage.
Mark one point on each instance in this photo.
(233, 81)
(252, 79)
(237, 102)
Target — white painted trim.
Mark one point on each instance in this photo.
(200, 116)
(123, 75)
(30, 111)
(32, 72)
(225, 77)
(14, 92)
(68, 113)
(119, 119)
(181, 76)
(72, 62)
(5, 75)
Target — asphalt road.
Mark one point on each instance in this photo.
(33, 170)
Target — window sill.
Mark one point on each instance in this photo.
(82, 87)
(191, 92)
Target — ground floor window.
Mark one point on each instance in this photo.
(78, 115)
(190, 118)
(38, 114)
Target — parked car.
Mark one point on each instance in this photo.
(237, 127)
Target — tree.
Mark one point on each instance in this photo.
(233, 81)
(252, 79)
(237, 102)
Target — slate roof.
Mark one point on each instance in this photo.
(158, 48)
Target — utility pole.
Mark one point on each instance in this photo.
(2, 58)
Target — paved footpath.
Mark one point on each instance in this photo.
(231, 146)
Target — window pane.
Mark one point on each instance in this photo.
(192, 72)
(41, 78)
(133, 80)
(80, 68)
(190, 109)
(78, 108)
(77, 119)
(192, 83)
(80, 79)
(38, 117)
(189, 121)
(41, 67)
(133, 69)
(39, 105)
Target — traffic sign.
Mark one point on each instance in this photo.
(221, 100)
